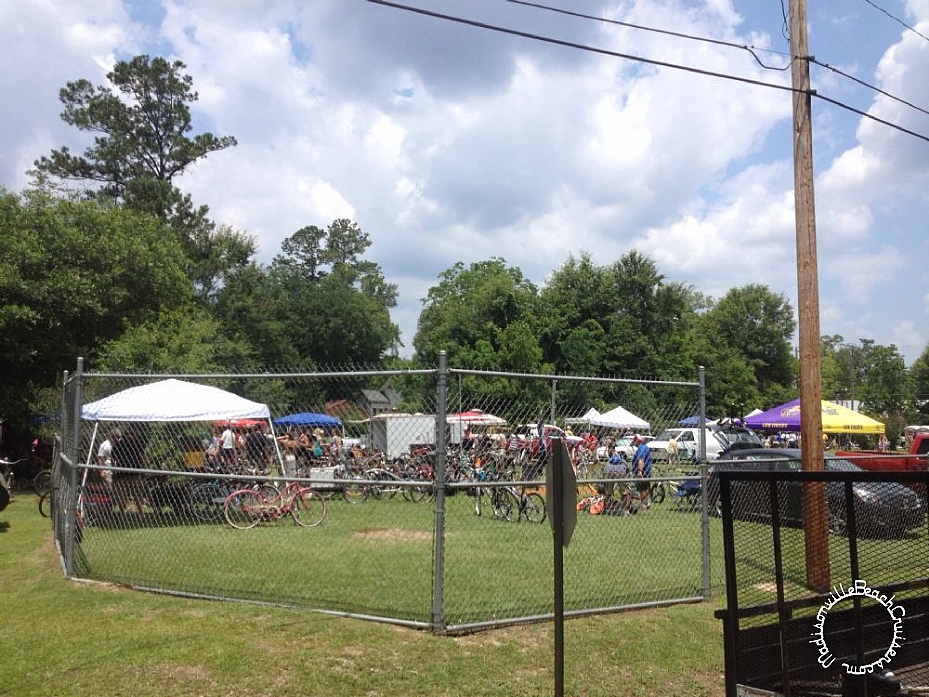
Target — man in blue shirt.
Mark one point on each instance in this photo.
(642, 468)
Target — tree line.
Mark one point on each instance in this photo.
(129, 273)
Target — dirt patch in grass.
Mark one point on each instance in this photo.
(394, 535)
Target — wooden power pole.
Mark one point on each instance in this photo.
(811, 422)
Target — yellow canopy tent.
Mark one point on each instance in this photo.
(836, 419)
(839, 419)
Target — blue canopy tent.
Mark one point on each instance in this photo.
(308, 418)
(691, 421)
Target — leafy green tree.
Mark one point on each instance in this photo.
(141, 120)
(919, 375)
(74, 274)
(250, 309)
(621, 319)
(142, 124)
(480, 315)
(887, 388)
(320, 298)
(186, 340)
(757, 324)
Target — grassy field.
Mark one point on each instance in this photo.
(376, 558)
(62, 638)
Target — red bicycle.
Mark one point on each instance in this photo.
(246, 508)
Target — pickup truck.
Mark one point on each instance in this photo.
(914, 459)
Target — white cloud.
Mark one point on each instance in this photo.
(449, 143)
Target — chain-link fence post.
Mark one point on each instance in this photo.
(704, 501)
(70, 526)
(438, 575)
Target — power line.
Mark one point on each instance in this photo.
(866, 115)
(581, 47)
(872, 87)
(719, 42)
(680, 35)
(648, 61)
(896, 19)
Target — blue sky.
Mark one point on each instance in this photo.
(448, 143)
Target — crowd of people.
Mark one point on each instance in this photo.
(300, 446)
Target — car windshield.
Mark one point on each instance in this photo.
(742, 436)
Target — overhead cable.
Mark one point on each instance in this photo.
(865, 84)
(680, 35)
(896, 19)
(583, 47)
(649, 61)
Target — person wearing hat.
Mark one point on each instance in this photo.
(642, 468)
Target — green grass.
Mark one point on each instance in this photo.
(376, 558)
(70, 639)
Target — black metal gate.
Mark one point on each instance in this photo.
(867, 631)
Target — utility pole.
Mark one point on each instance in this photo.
(811, 418)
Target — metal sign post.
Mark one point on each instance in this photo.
(560, 501)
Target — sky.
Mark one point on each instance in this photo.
(451, 142)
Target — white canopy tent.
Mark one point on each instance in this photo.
(173, 400)
(590, 414)
(618, 417)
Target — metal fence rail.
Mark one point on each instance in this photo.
(410, 533)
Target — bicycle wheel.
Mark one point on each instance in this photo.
(534, 507)
(504, 503)
(308, 509)
(42, 482)
(243, 509)
(657, 492)
(206, 501)
(268, 492)
(46, 502)
(355, 490)
(417, 493)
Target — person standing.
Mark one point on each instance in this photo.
(674, 453)
(227, 445)
(335, 445)
(105, 456)
(642, 468)
(256, 447)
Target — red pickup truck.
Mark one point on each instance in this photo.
(914, 459)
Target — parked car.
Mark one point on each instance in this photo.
(882, 509)
(624, 445)
(688, 444)
(529, 435)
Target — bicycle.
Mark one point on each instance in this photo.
(8, 470)
(246, 508)
(206, 498)
(511, 503)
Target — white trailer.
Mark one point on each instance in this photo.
(393, 434)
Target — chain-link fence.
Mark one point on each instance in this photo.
(826, 578)
(413, 496)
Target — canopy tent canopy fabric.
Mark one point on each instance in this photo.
(173, 400)
(590, 414)
(733, 420)
(618, 417)
(475, 417)
(693, 421)
(836, 419)
(309, 418)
